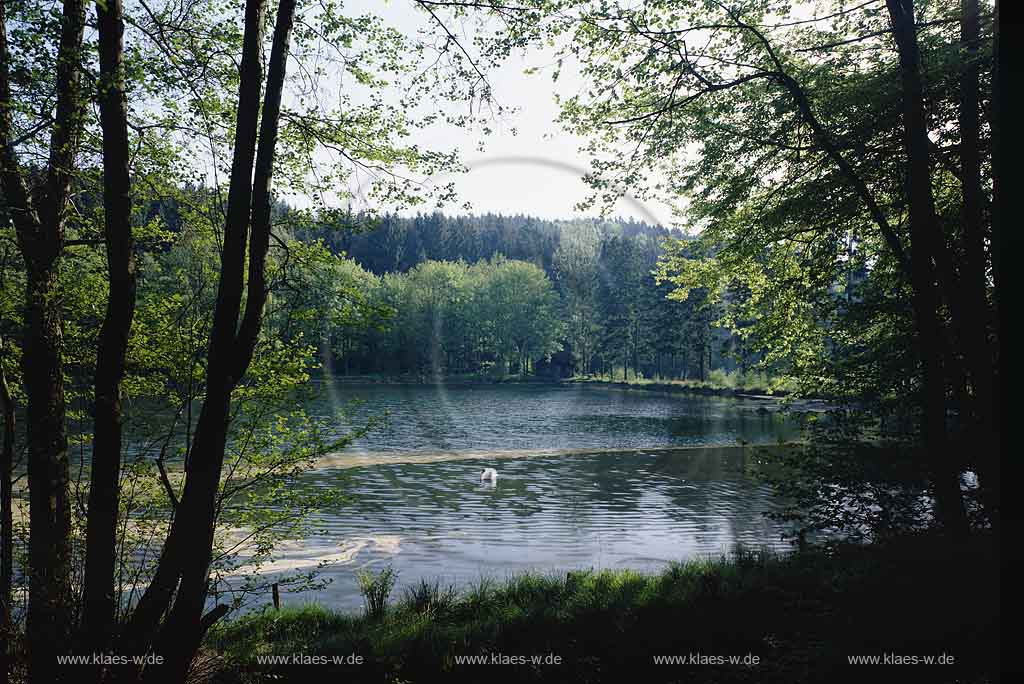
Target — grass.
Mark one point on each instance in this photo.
(376, 588)
(801, 615)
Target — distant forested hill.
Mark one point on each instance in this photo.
(462, 298)
(393, 243)
(452, 294)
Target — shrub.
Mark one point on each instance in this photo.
(376, 588)
(430, 598)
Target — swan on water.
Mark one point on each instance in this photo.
(489, 474)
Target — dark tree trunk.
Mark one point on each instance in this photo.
(636, 350)
(998, 212)
(996, 127)
(705, 351)
(40, 233)
(6, 527)
(925, 241)
(978, 349)
(187, 554)
(100, 601)
(49, 625)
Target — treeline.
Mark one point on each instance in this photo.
(497, 316)
(390, 243)
(515, 294)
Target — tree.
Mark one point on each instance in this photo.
(521, 309)
(928, 253)
(7, 461)
(179, 87)
(791, 139)
(576, 268)
(100, 602)
(39, 214)
(185, 561)
(622, 273)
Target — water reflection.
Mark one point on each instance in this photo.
(487, 418)
(611, 509)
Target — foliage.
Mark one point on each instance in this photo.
(456, 318)
(376, 589)
(353, 107)
(614, 316)
(782, 138)
(427, 597)
(608, 624)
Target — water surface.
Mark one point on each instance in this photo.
(588, 478)
(530, 417)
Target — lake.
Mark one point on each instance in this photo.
(588, 477)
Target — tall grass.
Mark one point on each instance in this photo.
(376, 589)
(800, 614)
(430, 598)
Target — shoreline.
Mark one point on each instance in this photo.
(681, 387)
(670, 386)
(611, 625)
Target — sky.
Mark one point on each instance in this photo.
(529, 165)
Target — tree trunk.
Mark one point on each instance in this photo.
(100, 601)
(6, 527)
(40, 233)
(974, 280)
(636, 350)
(996, 127)
(925, 240)
(230, 354)
(157, 597)
(705, 352)
(998, 212)
(49, 610)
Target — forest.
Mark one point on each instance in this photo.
(452, 291)
(216, 214)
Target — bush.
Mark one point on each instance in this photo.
(802, 614)
(429, 598)
(376, 588)
(722, 378)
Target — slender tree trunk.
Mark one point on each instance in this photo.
(6, 527)
(40, 233)
(636, 349)
(925, 240)
(230, 354)
(157, 597)
(974, 279)
(100, 601)
(705, 351)
(998, 212)
(996, 127)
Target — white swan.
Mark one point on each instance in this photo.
(489, 474)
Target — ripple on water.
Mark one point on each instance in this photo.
(607, 509)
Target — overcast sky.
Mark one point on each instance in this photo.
(529, 164)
